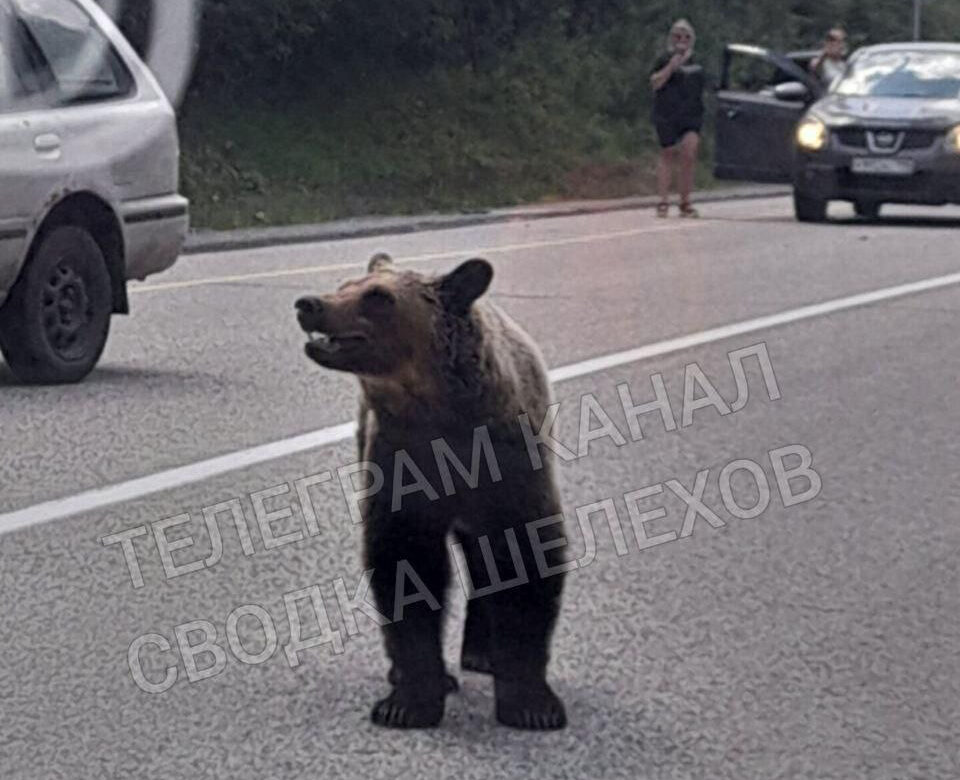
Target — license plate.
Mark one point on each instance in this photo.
(885, 166)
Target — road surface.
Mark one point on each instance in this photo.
(817, 639)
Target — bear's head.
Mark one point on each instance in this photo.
(387, 323)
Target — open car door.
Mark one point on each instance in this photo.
(761, 97)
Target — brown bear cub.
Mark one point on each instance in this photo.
(446, 379)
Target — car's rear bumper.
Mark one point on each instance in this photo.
(828, 175)
(154, 230)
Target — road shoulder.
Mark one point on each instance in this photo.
(202, 241)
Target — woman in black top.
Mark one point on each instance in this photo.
(678, 83)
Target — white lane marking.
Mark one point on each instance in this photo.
(464, 253)
(604, 362)
(99, 498)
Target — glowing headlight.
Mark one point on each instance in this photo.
(953, 139)
(812, 134)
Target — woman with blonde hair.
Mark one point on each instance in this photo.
(678, 83)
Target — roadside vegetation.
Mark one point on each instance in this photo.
(544, 123)
(305, 110)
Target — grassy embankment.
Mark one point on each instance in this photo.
(567, 126)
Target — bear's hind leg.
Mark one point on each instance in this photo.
(410, 575)
(475, 653)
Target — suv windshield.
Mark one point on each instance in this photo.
(903, 74)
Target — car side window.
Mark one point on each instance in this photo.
(32, 79)
(77, 62)
(750, 74)
(24, 77)
(753, 74)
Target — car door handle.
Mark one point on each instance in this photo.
(47, 143)
(733, 113)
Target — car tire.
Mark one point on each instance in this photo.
(867, 209)
(55, 321)
(809, 209)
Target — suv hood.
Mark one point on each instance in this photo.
(840, 110)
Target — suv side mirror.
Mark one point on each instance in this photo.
(792, 91)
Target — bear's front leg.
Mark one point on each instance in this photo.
(410, 574)
(521, 620)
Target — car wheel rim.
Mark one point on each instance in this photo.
(67, 311)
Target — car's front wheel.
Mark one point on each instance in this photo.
(867, 209)
(54, 323)
(807, 208)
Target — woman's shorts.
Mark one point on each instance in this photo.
(670, 133)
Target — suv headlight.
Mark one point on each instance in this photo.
(812, 134)
(953, 140)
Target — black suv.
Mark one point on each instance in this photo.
(886, 131)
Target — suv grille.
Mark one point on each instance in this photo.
(919, 139)
(853, 136)
(856, 137)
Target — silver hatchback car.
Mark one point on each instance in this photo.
(89, 161)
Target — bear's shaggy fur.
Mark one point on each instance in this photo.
(437, 364)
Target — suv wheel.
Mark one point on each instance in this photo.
(809, 209)
(54, 323)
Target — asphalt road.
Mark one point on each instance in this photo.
(818, 640)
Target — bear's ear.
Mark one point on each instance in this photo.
(462, 286)
(378, 261)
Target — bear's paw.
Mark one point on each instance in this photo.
(535, 708)
(404, 710)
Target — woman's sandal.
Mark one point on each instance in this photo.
(663, 209)
(686, 210)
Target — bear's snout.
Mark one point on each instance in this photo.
(309, 312)
(309, 305)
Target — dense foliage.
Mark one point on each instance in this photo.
(265, 44)
(312, 109)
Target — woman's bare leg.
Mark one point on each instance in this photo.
(689, 146)
(665, 172)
